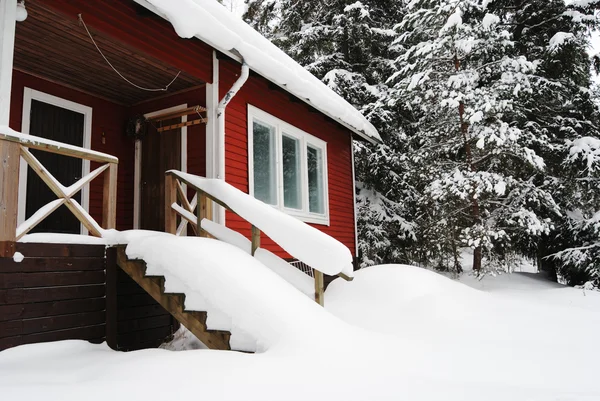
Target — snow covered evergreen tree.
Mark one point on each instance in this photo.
(482, 119)
(462, 80)
(347, 45)
(561, 112)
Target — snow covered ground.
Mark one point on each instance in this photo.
(408, 334)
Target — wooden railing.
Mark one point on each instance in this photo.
(13, 145)
(177, 203)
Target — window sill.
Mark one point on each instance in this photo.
(313, 219)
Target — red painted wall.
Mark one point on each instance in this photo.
(108, 118)
(275, 101)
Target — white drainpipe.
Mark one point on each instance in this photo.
(221, 117)
(221, 127)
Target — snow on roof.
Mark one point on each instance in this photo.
(214, 24)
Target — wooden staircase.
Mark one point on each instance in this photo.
(174, 303)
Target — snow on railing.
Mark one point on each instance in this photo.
(14, 145)
(303, 242)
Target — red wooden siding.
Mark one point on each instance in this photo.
(108, 118)
(149, 34)
(257, 92)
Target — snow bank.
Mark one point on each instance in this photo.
(303, 242)
(502, 338)
(214, 24)
(450, 343)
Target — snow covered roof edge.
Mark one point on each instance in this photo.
(214, 24)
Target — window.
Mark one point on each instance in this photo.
(287, 167)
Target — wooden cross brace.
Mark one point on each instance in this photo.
(64, 195)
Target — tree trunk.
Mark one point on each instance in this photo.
(464, 129)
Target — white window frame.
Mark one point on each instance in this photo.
(305, 139)
(29, 95)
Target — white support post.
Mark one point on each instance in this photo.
(214, 155)
(8, 11)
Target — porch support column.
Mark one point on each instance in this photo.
(9, 189)
(9, 151)
(8, 11)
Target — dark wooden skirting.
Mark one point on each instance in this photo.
(61, 292)
(56, 293)
(134, 319)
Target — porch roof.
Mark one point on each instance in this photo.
(214, 24)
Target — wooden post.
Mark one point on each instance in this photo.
(111, 298)
(8, 11)
(202, 212)
(170, 198)
(109, 201)
(319, 285)
(255, 240)
(9, 189)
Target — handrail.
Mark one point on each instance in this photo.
(200, 208)
(14, 144)
(47, 145)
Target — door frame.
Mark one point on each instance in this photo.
(137, 174)
(29, 95)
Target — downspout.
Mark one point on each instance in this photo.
(221, 116)
(220, 173)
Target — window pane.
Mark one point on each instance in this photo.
(265, 184)
(292, 193)
(316, 201)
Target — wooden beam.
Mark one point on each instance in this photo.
(9, 189)
(255, 240)
(180, 113)
(111, 298)
(170, 198)
(319, 288)
(53, 184)
(189, 184)
(33, 142)
(109, 197)
(181, 125)
(202, 213)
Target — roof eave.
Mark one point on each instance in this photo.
(235, 55)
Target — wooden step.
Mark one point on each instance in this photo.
(194, 321)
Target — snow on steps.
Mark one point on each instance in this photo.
(238, 292)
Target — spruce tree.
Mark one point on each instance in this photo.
(347, 44)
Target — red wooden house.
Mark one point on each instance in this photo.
(158, 85)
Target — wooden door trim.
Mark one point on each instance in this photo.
(137, 175)
(29, 95)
